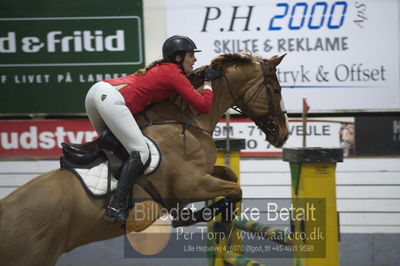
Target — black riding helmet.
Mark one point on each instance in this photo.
(176, 44)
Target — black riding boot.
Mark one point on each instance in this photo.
(132, 169)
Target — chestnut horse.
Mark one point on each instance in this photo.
(53, 214)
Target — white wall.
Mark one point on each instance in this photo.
(154, 28)
(368, 189)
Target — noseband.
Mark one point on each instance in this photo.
(265, 121)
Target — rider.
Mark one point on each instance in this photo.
(111, 104)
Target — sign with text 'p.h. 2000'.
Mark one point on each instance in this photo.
(341, 55)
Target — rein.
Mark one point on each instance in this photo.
(262, 121)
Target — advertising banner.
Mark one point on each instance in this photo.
(341, 55)
(50, 55)
(319, 134)
(43, 138)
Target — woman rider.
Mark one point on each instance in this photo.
(111, 104)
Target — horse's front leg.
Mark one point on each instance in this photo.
(226, 205)
(211, 186)
(225, 173)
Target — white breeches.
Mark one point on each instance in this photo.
(106, 108)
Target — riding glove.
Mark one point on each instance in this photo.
(211, 74)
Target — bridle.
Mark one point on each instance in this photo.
(265, 121)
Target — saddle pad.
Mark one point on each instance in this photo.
(95, 178)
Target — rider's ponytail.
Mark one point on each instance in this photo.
(142, 71)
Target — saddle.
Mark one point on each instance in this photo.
(105, 148)
(98, 164)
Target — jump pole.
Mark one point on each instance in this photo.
(313, 182)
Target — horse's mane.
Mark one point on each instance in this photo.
(224, 61)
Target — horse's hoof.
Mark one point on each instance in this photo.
(219, 231)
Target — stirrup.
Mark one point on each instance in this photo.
(113, 214)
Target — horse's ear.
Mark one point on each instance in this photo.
(276, 60)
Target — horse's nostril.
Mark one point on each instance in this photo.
(286, 137)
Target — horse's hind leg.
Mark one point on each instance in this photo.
(31, 259)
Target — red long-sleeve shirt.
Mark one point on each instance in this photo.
(157, 84)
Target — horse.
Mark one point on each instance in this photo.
(52, 213)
